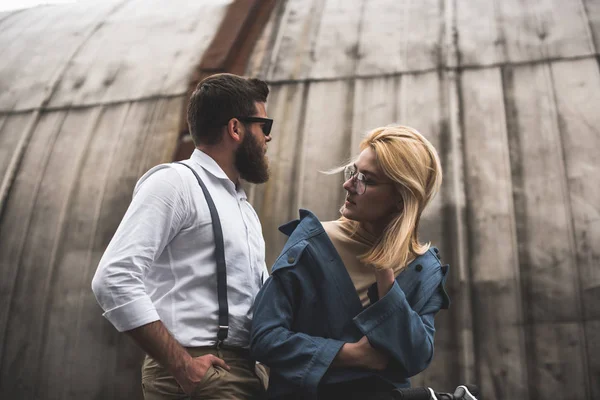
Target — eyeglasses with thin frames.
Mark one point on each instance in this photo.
(359, 179)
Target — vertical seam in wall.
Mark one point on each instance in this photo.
(93, 232)
(350, 103)
(523, 333)
(22, 241)
(361, 22)
(299, 159)
(148, 122)
(274, 38)
(588, 27)
(278, 33)
(348, 128)
(445, 146)
(520, 210)
(473, 370)
(500, 28)
(441, 49)
(540, 30)
(515, 243)
(318, 8)
(446, 224)
(58, 242)
(571, 228)
(397, 85)
(461, 215)
(2, 123)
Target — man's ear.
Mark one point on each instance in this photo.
(235, 130)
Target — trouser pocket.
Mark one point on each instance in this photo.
(209, 385)
(157, 383)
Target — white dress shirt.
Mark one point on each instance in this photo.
(160, 264)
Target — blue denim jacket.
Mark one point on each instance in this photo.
(309, 308)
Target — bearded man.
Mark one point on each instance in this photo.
(181, 273)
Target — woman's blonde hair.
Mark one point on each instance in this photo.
(412, 163)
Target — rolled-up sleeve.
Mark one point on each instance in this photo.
(156, 214)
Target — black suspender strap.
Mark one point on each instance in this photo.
(221, 267)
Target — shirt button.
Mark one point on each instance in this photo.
(291, 260)
(419, 268)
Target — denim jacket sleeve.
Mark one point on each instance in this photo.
(299, 358)
(404, 332)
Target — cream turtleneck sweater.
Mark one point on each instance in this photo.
(350, 248)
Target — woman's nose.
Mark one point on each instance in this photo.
(349, 185)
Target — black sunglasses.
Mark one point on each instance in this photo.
(267, 123)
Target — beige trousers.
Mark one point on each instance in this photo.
(245, 379)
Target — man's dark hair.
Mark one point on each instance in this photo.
(219, 98)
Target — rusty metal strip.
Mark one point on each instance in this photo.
(229, 51)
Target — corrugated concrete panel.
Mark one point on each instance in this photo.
(90, 53)
(508, 93)
(91, 96)
(70, 192)
(329, 39)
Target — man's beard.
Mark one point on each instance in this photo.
(250, 160)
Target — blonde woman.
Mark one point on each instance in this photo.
(349, 309)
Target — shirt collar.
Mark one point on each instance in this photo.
(211, 166)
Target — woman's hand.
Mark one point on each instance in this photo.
(362, 355)
(385, 280)
(370, 357)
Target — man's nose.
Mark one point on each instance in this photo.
(268, 138)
